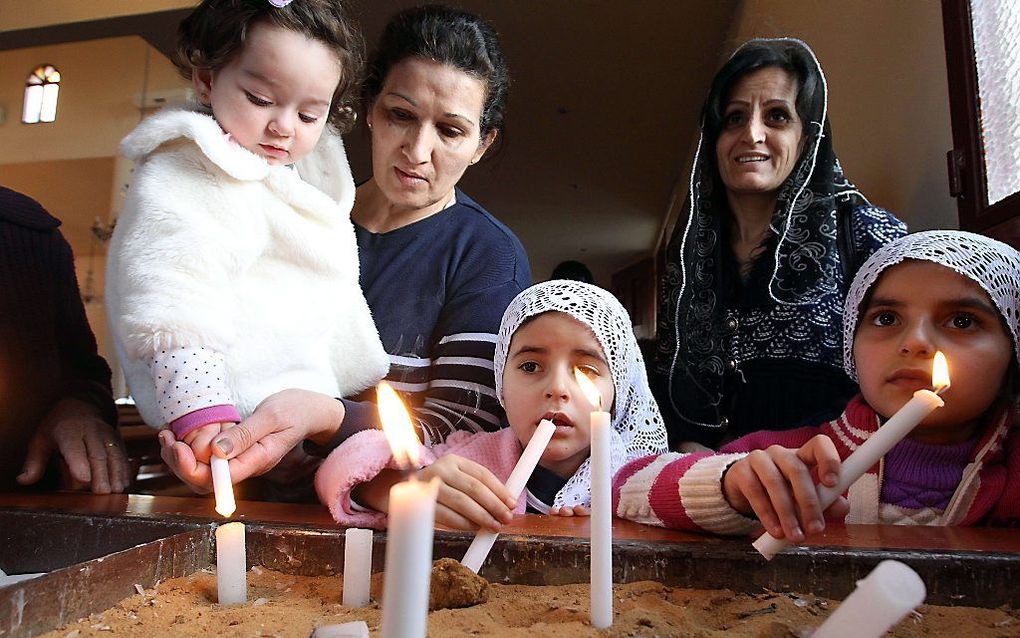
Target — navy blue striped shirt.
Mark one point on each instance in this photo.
(437, 289)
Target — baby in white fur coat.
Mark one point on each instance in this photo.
(229, 277)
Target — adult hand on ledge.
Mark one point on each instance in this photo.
(257, 444)
(91, 447)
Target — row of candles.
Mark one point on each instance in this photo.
(412, 506)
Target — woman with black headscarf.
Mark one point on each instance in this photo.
(750, 324)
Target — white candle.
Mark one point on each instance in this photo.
(405, 604)
(231, 574)
(923, 403)
(482, 543)
(357, 567)
(223, 487)
(412, 511)
(880, 601)
(601, 509)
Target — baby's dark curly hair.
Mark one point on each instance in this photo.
(215, 32)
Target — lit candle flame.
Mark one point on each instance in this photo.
(589, 389)
(940, 373)
(396, 424)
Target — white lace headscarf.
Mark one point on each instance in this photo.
(994, 265)
(638, 429)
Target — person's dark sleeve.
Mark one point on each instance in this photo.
(85, 374)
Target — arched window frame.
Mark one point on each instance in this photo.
(41, 91)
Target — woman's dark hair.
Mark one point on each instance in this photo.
(789, 55)
(447, 36)
(215, 32)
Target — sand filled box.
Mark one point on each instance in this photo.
(292, 606)
(33, 541)
(537, 588)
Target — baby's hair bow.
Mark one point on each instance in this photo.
(279, 4)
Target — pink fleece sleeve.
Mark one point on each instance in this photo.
(361, 457)
(357, 460)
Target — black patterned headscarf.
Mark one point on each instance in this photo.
(808, 213)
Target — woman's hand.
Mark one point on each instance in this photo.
(777, 486)
(256, 445)
(91, 447)
(470, 496)
(180, 458)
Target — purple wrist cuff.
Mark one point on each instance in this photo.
(213, 414)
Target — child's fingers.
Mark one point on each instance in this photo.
(779, 493)
(481, 486)
(746, 494)
(492, 484)
(820, 452)
(450, 518)
(805, 494)
(200, 440)
(466, 507)
(575, 510)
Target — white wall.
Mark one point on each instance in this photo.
(29, 14)
(99, 79)
(888, 98)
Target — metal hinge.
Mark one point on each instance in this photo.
(955, 163)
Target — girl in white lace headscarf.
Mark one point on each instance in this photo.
(637, 427)
(948, 291)
(547, 330)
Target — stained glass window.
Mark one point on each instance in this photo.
(41, 89)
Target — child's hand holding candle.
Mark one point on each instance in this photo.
(483, 540)
(923, 403)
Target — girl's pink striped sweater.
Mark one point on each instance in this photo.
(684, 491)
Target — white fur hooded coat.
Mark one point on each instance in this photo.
(215, 248)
